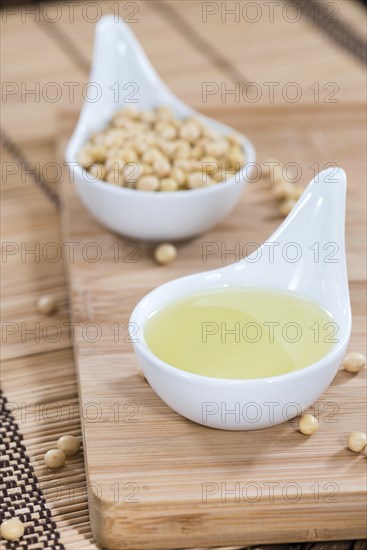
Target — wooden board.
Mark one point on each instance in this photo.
(159, 481)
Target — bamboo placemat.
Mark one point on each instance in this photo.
(38, 376)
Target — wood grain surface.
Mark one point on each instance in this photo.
(178, 481)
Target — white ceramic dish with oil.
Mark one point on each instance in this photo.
(318, 217)
(121, 69)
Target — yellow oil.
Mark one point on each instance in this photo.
(241, 334)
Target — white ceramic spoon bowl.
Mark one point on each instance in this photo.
(259, 403)
(119, 62)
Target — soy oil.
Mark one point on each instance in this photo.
(241, 334)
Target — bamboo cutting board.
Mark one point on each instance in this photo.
(157, 480)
